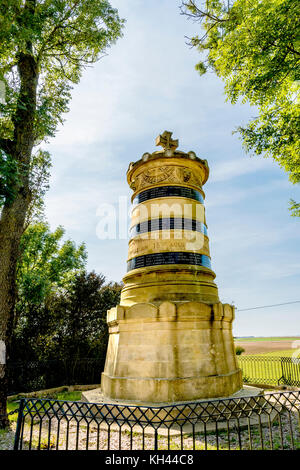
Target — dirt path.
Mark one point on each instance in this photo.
(258, 347)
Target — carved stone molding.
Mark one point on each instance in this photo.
(169, 174)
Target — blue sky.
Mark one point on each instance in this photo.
(146, 84)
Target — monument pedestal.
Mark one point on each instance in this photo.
(177, 351)
(96, 396)
(247, 405)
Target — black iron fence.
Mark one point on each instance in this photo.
(37, 375)
(270, 422)
(270, 370)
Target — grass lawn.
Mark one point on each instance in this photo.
(68, 396)
(13, 404)
(266, 368)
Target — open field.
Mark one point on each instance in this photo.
(261, 361)
(268, 370)
(281, 353)
(267, 345)
(269, 338)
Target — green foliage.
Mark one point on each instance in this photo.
(65, 36)
(8, 177)
(57, 39)
(294, 208)
(46, 264)
(80, 316)
(61, 309)
(51, 337)
(239, 350)
(254, 47)
(68, 396)
(246, 379)
(13, 405)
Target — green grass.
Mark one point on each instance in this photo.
(67, 396)
(267, 372)
(283, 353)
(11, 406)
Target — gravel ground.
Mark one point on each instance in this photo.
(7, 439)
(114, 440)
(265, 433)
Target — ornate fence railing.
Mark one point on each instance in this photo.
(270, 370)
(269, 421)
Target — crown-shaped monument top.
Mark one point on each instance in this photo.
(166, 141)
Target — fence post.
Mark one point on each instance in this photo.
(19, 424)
(155, 440)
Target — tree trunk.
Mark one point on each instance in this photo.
(14, 213)
(11, 229)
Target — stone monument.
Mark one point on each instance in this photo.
(170, 339)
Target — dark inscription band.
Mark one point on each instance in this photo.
(168, 191)
(156, 259)
(168, 223)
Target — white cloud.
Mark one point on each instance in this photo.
(220, 195)
(148, 84)
(227, 170)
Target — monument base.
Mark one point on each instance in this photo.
(180, 417)
(170, 352)
(96, 396)
(170, 390)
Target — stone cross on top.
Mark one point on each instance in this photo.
(166, 141)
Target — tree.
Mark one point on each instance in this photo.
(64, 325)
(46, 265)
(81, 316)
(254, 47)
(44, 47)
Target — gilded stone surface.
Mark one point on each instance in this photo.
(153, 285)
(168, 240)
(170, 339)
(177, 351)
(168, 207)
(166, 174)
(166, 141)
